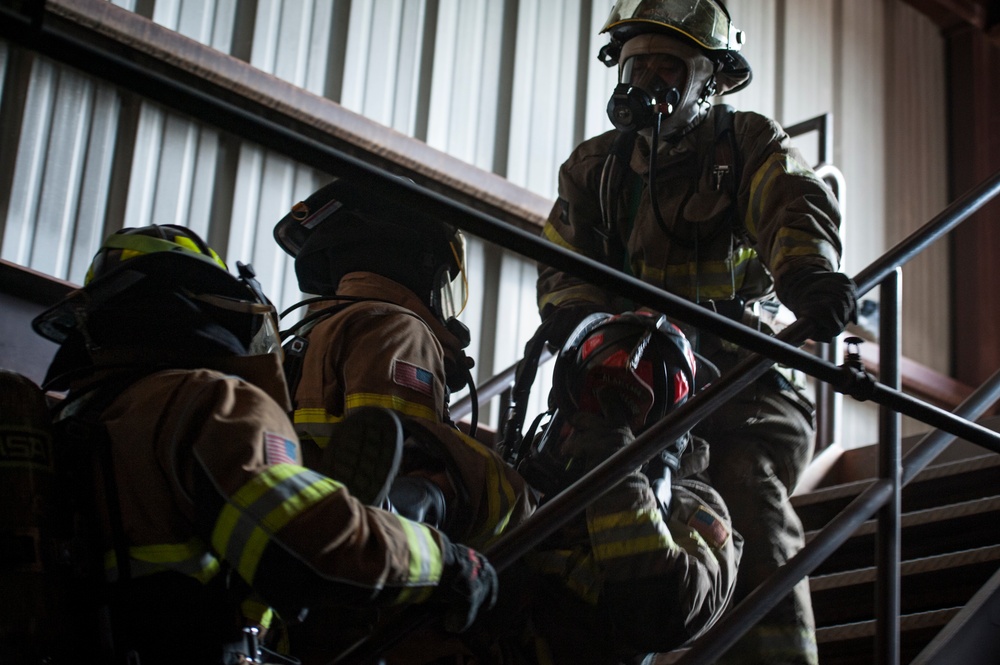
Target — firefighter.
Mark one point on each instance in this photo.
(382, 331)
(714, 206)
(208, 527)
(652, 563)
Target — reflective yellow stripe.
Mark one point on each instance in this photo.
(763, 181)
(558, 298)
(426, 563)
(263, 507)
(358, 400)
(315, 424)
(580, 574)
(627, 533)
(794, 242)
(704, 280)
(549, 233)
(772, 643)
(499, 495)
(192, 558)
(257, 612)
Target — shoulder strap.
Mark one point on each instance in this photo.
(294, 345)
(728, 165)
(85, 438)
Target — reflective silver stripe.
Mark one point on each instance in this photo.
(426, 563)
(259, 509)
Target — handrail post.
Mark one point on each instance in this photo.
(888, 538)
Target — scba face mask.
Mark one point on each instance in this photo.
(661, 79)
(648, 87)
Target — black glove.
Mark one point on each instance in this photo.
(594, 439)
(827, 299)
(561, 321)
(468, 585)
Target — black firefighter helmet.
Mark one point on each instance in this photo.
(337, 230)
(160, 287)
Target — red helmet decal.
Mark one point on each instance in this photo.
(681, 387)
(590, 344)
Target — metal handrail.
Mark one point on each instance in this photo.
(564, 506)
(249, 119)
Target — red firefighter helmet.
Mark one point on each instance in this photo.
(633, 367)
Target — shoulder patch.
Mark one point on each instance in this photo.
(707, 523)
(410, 376)
(279, 450)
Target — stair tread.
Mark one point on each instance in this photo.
(931, 472)
(952, 528)
(930, 515)
(907, 623)
(951, 560)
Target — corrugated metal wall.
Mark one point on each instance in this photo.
(509, 86)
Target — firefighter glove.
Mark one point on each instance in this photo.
(826, 298)
(594, 439)
(468, 585)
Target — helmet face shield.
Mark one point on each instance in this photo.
(451, 284)
(262, 318)
(703, 21)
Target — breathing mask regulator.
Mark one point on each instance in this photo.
(341, 228)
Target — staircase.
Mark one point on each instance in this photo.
(950, 549)
(950, 526)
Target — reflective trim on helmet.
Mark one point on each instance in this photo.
(192, 559)
(261, 508)
(257, 612)
(137, 244)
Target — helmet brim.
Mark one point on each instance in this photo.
(171, 271)
(735, 73)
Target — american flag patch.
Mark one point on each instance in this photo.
(709, 526)
(280, 450)
(411, 376)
